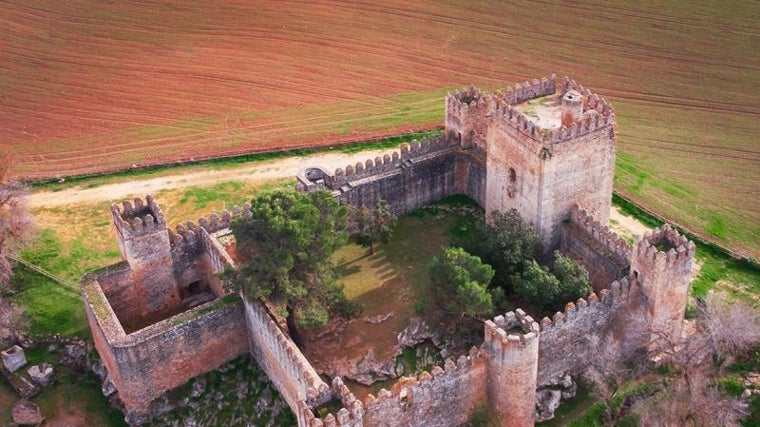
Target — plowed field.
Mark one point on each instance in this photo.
(88, 86)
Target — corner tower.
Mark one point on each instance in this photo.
(661, 264)
(511, 342)
(547, 149)
(145, 245)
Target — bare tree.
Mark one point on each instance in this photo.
(608, 370)
(15, 226)
(723, 330)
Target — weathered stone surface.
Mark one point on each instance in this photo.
(42, 374)
(416, 332)
(13, 358)
(26, 413)
(547, 401)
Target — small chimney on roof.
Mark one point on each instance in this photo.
(572, 108)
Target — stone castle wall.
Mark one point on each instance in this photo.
(490, 152)
(165, 355)
(661, 262)
(285, 365)
(446, 396)
(605, 255)
(420, 173)
(540, 172)
(497, 375)
(571, 339)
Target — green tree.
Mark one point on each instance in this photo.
(285, 246)
(460, 283)
(549, 291)
(573, 278)
(374, 224)
(506, 243)
(537, 285)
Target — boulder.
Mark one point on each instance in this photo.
(42, 374)
(416, 332)
(13, 358)
(26, 413)
(547, 401)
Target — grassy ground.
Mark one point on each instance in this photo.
(50, 307)
(72, 400)
(391, 281)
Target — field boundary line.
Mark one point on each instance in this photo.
(65, 284)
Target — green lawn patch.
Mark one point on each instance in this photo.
(51, 308)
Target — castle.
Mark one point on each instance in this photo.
(162, 316)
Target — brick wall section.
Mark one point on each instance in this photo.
(280, 358)
(444, 397)
(604, 254)
(166, 354)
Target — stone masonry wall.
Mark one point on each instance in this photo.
(280, 358)
(444, 397)
(604, 254)
(144, 243)
(420, 173)
(571, 339)
(577, 171)
(661, 262)
(512, 342)
(166, 354)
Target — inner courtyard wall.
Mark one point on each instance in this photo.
(604, 254)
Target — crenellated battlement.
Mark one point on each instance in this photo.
(277, 353)
(590, 122)
(467, 99)
(187, 234)
(501, 332)
(664, 246)
(599, 232)
(138, 217)
(393, 160)
(316, 178)
(529, 90)
(404, 389)
(591, 101)
(350, 415)
(617, 294)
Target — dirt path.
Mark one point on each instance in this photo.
(267, 170)
(259, 171)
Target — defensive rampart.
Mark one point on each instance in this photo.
(420, 173)
(280, 358)
(572, 339)
(605, 255)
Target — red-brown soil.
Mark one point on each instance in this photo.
(88, 86)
